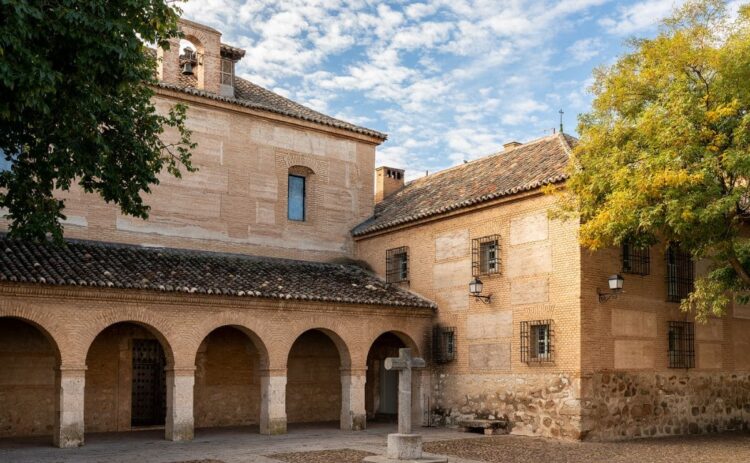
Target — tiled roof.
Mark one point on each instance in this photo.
(529, 166)
(80, 263)
(253, 96)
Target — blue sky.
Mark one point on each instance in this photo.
(446, 80)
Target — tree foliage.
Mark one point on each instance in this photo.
(664, 153)
(76, 82)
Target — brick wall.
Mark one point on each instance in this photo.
(236, 201)
(93, 329)
(538, 280)
(27, 380)
(629, 389)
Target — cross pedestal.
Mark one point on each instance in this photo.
(404, 446)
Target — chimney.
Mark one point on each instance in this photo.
(387, 181)
(511, 145)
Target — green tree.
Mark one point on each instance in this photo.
(76, 80)
(664, 153)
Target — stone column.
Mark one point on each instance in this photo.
(69, 397)
(179, 423)
(353, 415)
(273, 401)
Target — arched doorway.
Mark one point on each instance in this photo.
(29, 359)
(313, 392)
(381, 389)
(227, 379)
(126, 379)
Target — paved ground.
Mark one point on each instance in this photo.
(314, 444)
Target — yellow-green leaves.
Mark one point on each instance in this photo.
(664, 153)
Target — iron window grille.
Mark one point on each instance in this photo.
(485, 255)
(680, 274)
(681, 338)
(636, 259)
(537, 341)
(397, 265)
(444, 344)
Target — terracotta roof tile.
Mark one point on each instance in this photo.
(80, 263)
(524, 168)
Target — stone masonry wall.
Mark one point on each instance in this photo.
(541, 405)
(624, 405)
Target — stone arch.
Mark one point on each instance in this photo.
(156, 326)
(39, 324)
(248, 331)
(29, 367)
(121, 392)
(229, 363)
(342, 346)
(314, 390)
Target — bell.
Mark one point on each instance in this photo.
(187, 69)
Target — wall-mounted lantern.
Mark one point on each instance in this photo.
(475, 290)
(615, 287)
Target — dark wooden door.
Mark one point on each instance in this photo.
(149, 383)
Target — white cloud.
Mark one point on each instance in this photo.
(584, 50)
(639, 16)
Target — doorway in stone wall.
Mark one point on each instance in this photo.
(149, 383)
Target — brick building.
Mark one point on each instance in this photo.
(247, 299)
(236, 303)
(545, 351)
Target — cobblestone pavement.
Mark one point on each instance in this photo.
(715, 448)
(245, 445)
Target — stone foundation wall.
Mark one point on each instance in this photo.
(625, 405)
(533, 404)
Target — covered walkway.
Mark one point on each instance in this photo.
(228, 445)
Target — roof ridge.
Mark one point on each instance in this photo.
(487, 156)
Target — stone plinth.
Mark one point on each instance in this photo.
(404, 448)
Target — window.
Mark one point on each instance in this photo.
(537, 341)
(397, 265)
(444, 343)
(636, 259)
(485, 255)
(296, 198)
(681, 345)
(680, 274)
(227, 71)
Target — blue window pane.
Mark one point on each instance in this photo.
(296, 200)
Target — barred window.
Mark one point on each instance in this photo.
(681, 345)
(680, 274)
(537, 341)
(636, 259)
(485, 255)
(397, 265)
(444, 344)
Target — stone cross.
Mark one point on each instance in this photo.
(404, 364)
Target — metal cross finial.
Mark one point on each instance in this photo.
(561, 119)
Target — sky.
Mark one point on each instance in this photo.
(447, 80)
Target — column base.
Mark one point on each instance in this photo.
(356, 422)
(69, 437)
(274, 427)
(405, 448)
(424, 459)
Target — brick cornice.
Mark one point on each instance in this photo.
(201, 300)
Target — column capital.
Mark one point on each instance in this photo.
(72, 370)
(181, 371)
(272, 372)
